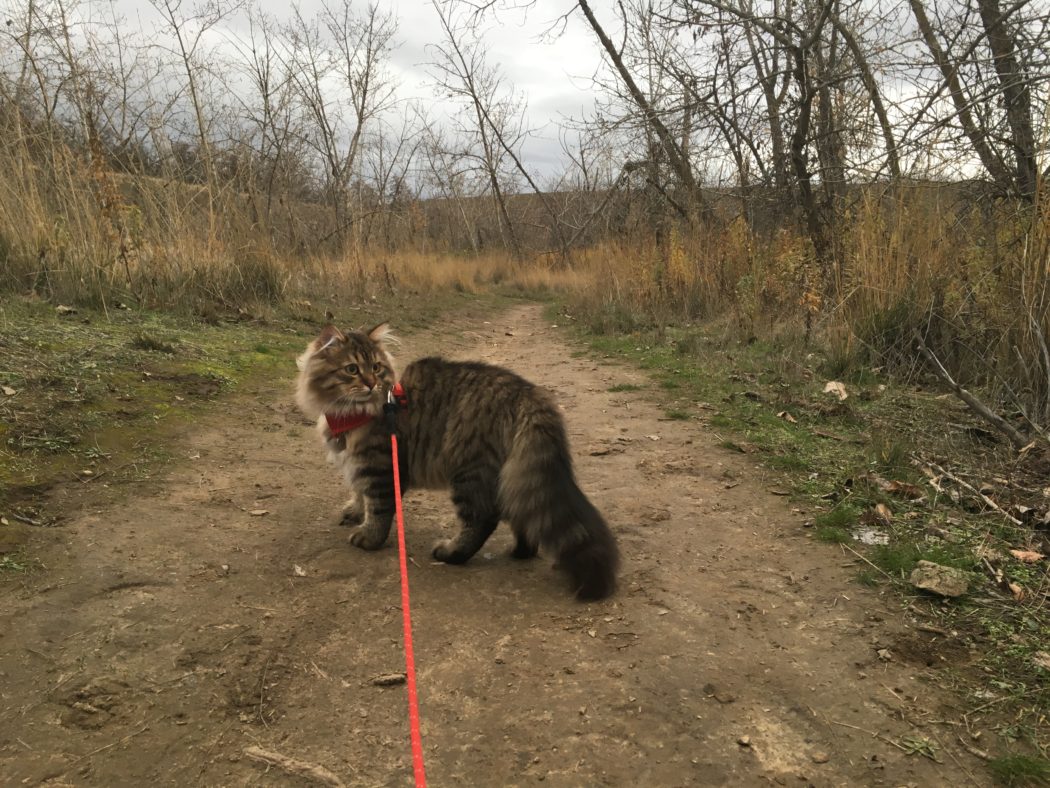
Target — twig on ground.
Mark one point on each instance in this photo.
(869, 563)
(130, 736)
(988, 501)
(294, 766)
(873, 734)
(27, 520)
(1006, 428)
(973, 750)
(932, 630)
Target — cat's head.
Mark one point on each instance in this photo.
(346, 372)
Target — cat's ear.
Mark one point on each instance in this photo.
(329, 336)
(381, 333)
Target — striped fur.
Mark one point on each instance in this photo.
(494, 439)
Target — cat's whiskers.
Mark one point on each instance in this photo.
(354, 402)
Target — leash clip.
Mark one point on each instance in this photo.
(393, 404)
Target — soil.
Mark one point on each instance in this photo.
(177, 627)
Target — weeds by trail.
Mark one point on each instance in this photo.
(860, 469)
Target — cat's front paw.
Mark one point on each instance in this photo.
(367, 539)
(353, 512)
(351, 517)
(446, 551)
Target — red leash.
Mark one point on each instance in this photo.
(410, 660)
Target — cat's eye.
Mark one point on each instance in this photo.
(352, 369)
(377, 367)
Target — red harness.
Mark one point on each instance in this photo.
(341, 423)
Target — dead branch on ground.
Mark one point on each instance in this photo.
(294, 766)
(1017, 438)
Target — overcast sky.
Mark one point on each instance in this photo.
(553, 71)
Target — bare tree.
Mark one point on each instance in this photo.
(337, 64)
(188, 32)
(461, 71)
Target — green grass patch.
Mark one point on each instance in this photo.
(899, 559)
(842, 517)
(16, 564)
(829, 533)
(96, 391)
(1021, 770)
(621, 387)
(868, 578)
(153, 344)
(677, 415)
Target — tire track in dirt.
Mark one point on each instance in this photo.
(173, 631)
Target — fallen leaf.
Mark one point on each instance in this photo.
(820, 757)
(62, 309)
(298, 570)
(8, 391)
(1042, 659)
(259, 512)
(883, 513)
(837, 388)
(1017, 591)
(910, 491)
(4, 521)
(1027, 556)
(787, 417)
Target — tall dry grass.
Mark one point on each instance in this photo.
(969, 273)
(74, 231)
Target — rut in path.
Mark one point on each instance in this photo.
(174, 629)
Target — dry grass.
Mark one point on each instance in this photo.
(73, 231)
(972, 275)
(969, 272)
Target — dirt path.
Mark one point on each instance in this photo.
(174, 631)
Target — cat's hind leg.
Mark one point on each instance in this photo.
(474, 495)
(524, 548)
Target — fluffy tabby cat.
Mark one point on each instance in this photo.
(492, 437)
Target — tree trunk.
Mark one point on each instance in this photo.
(1016, 95)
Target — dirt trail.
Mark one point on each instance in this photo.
(174, 631)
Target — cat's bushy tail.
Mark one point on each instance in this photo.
(540, 499)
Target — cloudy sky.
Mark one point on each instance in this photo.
(552, 70)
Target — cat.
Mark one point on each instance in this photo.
(495, 439)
